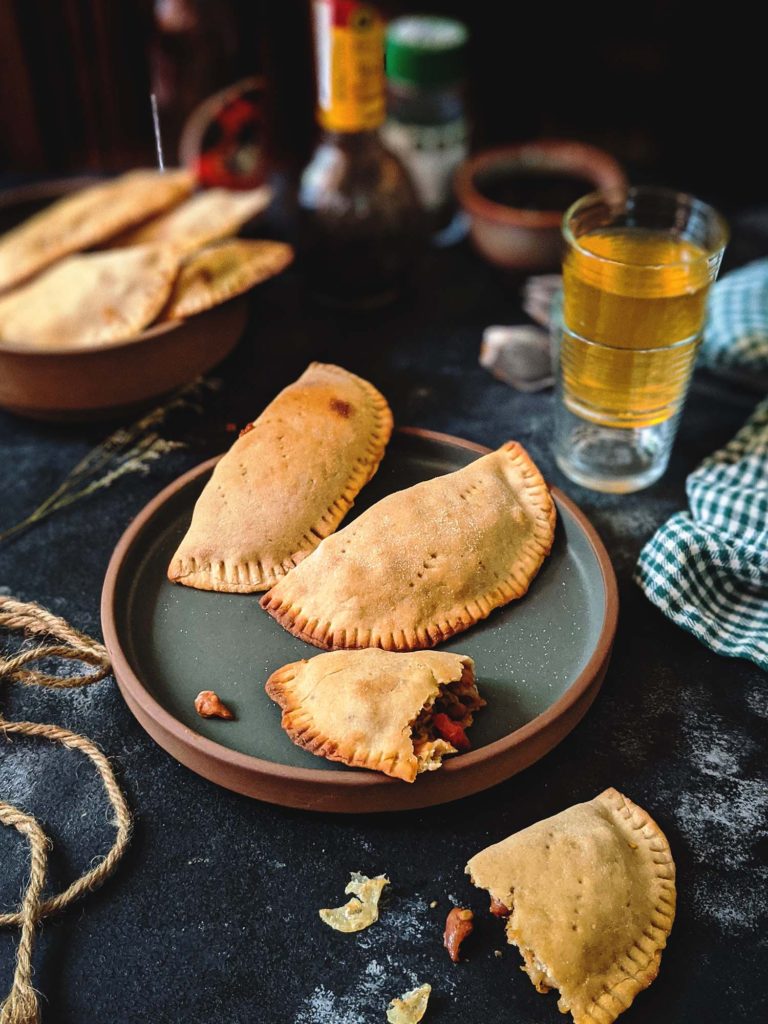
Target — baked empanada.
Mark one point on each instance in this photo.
(394, 713)
(589, 897)
(286, 483)
(212, 214)
(93, 299)
(85, 218)
(426, 562)
(221, 271)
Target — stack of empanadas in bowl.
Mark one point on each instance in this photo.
(588, 896)
(377, 592)
(160, 255)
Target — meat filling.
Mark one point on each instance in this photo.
(440, 727)
(498, 909)
(537, 972)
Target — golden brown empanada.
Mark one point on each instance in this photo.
(426, 562)
(81, 220)
(90, 300)
(286, 483)
(395, 713)
(212, 214)
(221, 271)
(589, 897)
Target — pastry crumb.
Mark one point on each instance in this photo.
(433, 904)
(498, 953)
(410, 1007)
(362, 910)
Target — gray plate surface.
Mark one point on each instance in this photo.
(179, 641)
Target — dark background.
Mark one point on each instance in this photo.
(212, 915)
(674, 90)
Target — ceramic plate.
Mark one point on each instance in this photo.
(539, 661)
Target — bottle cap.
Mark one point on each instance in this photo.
(425, 50)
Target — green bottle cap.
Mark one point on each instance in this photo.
(425, 50)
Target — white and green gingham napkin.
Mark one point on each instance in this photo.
(707, 569)
(735, 340)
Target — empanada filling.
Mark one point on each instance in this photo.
(537, 971)
(440, 727)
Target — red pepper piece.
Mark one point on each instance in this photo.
(450, 731)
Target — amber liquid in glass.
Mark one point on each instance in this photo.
(633, 323)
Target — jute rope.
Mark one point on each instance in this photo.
(21, 1005)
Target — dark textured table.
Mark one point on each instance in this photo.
(213, 914)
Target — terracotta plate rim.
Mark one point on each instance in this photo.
(360, 781)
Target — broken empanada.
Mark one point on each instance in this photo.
(286, 483)
(589, 897)
(395, 713)
(426, 562)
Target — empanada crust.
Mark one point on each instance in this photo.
(285, 484)
(426, 562)
(592, 892)
(221, 271)
(357, 706)
(86, 218)
(90, 300)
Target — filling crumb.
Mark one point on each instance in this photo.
(440, 727)
(536, 971)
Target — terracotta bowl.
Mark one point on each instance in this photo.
(525, 239)
(90, 383)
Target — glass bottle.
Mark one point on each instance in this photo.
(360, 217)
(427, 122)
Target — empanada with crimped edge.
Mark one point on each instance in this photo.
(286, 483)
(210, 215)
(90, 300)
(221, 271)
(424, 563)
(87, 217)
(591, 900)
(377, 709)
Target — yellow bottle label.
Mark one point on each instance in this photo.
(349, 41)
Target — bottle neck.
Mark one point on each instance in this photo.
(357, 142)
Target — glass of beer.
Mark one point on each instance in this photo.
(637, 268)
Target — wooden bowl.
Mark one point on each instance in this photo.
(91, 383)
(528, 239)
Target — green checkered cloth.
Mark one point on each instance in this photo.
(736, 333)
(707, 569)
